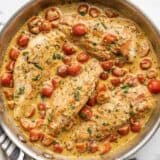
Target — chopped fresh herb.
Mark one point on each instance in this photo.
(77, 95)
(21, 90)
(132, 113)
(82, 115)
(89, 130)
(57, 56)
(98, 136)
(25, 53)
(37, 66)
(97, 116)
(43, 97)
(82, 13)
(72, 106)
(104, 26)
(105, 124)
(125, 88)
(47, 47)
(94, 44)
(36, 77)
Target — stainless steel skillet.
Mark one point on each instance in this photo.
(130, 11)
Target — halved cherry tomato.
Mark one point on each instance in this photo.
(81, 147)
(74, 69)
(92, 100)
(35, 135)
(79, 29)
(113, 137)
(101, 87)
(62, 70)
(151, 74)
(14, 53)
(135, 126)
(107, 65)
(7, 79)
(102, 97)
(42, 106)
(123, 131)
(118, 72)
(109, 38)
(83, 9)
(58, 148)
(86, 113)
(115, 82)
(82, 57)
(10, 66)
(52, 14)
(154, 86)
(145, 64)
(27, 124)
(94, 12)
(111, 13)
(23, 40)
(104, 75)
(68, 49)
(119, 63)
(141, 78)
(55, 81)
(45, 26)
(67, 60)
(47, 140)
(30, 112)
(93, 147)
(47, 90)
(105, 148)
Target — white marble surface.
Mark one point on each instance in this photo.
(151, 151)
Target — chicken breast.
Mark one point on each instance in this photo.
(107, 118)
(104, 37)
(72, 95)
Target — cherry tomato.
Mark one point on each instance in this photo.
(7, 79)
(106, 148)
(118, 72)
(10, 66)
(115, 82)
(93, 147)
(154, 86)
(58, 148)
(101, 87)
(42, 106)
(47, 140)
(67, 60)
(109, 38)
(151, 74)
(52, 14)
(111, 13)
(135, 126)
(79, 29)
(141, 78)
(62, 71)
(107, 65)
(92, 100)
(104, 75)
(35, 135)
(81, 147)
(74, 69)
(119, 63)
(45, 26)
(145, 64)
(14, 53)
(113, 137)
(83, 9)
(68, 49)
(86, 113)
(23, 40)
(123, 131)
(94, 12)
(82, 57)
(47, 90)
(55, 82)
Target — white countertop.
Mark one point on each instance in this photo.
(151, 151)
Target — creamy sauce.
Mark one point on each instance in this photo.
(80, 91)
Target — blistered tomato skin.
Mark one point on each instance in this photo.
(62, 70)
(68, 49)
(23, 40)
(79, 29)
(7, 79)
(13, 54)
(123, 131)
(74, 70)
(154, 86)
(47, 90)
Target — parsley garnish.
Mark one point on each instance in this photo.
(21, 90)
(125, 88)
(57, 56)
(77, 95)
(89, 130)
(37, 66)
